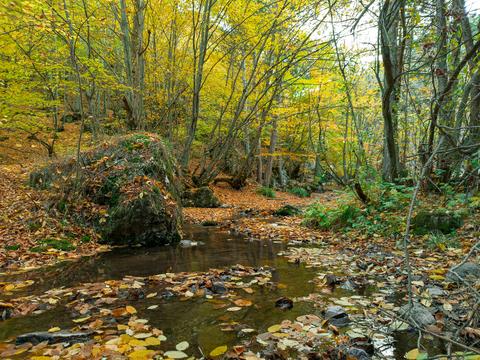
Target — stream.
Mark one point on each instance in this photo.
(194, 320)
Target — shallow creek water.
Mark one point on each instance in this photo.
(194, 320)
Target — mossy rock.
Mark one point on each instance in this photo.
(436, 221)
(135, 178)
(202, 197)
(148, 220)
(287, 210)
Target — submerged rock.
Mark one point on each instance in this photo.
(284, 303)
(337, 316)
(54, 337)
(219, 288)
(417, 314)
(188, 243)
(465, 271)
(202, 197)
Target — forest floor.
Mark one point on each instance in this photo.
(351, 260)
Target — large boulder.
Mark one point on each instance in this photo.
(133, 184)
(202, 197)
(436, 221)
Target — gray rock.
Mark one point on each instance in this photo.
(466, 271)
(348, 285)
(417, 314)
(54, 338)
(359, 354)
(337, 316)
(435, 291)
(188, 243)
(219, 288)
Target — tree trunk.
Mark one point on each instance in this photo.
(271, 151)
(392, 55)
(133, 51)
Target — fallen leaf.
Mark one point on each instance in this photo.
(130, 309)
(220, 350)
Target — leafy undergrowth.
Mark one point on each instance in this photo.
(32, 233)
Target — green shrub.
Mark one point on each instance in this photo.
(320, 217)
(442, 241)
(266, 191)
(392, 197)
(300, 192)
(85, 239)
(136, 141)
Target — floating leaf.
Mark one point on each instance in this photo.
(234, 308)
(274, 328)
(141, 354)
(80, 320)
(243, 302)
(130, 309)
(220, 350)
(176, 354)
(182, 346)
(152, 341)
(54, 329)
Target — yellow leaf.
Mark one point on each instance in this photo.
(137, 342)
(274, 328)
(220, 350)
(151, 295)
(9, 287)
(152, 341)
(130, 309)
(54, 329)
(412, 354)
(40, 358)
(141, 354)
(437, 277)
(81, 319)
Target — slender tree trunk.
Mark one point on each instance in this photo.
(271, 151)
